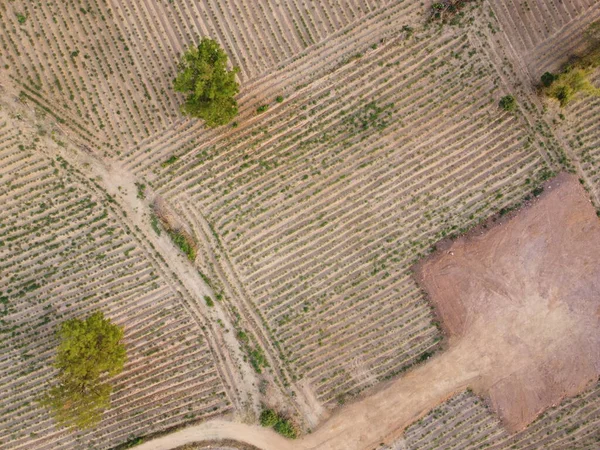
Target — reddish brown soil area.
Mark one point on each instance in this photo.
(525, 297)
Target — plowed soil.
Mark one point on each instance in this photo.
(525, 297)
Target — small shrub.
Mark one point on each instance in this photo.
(548, 78)
(184, 244)
(21, 18)
(209, 301)
(141, 190)
(258, 359)
(268, 418)
(154, 224)
(508, 103)
(279, 99)
(262, 108)
(286, 428)
(172, 160)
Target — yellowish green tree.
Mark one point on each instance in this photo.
(90, 350)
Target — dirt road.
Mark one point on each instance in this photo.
(363, 424)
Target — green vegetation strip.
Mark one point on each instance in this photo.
(271, 419)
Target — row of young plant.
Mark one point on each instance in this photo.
(56, 230)
(322, 282)
(466, 422)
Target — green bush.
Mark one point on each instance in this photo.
(508, 103)
(172, 160)
(258, 359)
(268, 418)
(281, 425)
(209, 301)
(184, 244)
(548, 78)
(286, 428)
(262, 108)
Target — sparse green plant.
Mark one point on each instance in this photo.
(184, 242)
(141, 190)
(172, 160)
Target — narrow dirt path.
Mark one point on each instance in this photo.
(380, 417)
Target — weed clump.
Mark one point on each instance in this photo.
(271, 419)
(508, 103)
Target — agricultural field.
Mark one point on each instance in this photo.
(465, 422)
(580, 131)
(306, 205)
(65, 251)
(270, 262)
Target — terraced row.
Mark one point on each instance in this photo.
(105, 68)
(583, 135)
(465, 422)
(54, 232)
(323, 205)
(545, 33)
(294, 78)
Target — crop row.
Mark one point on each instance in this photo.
(465, 422)
(323, 204)
(583, 136)
(54, 233)
(105, 68)
(545, 33)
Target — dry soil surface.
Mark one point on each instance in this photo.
(525, 296)
(521, 303)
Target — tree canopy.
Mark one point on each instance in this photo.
(88, 349)
(209, 86)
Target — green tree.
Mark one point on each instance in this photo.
(88, 349)
(571, 82)
(548, 78)
(209, 86)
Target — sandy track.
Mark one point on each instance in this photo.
(363, 424)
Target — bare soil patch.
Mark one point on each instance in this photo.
(524, 296)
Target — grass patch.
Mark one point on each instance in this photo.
(154, 224)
